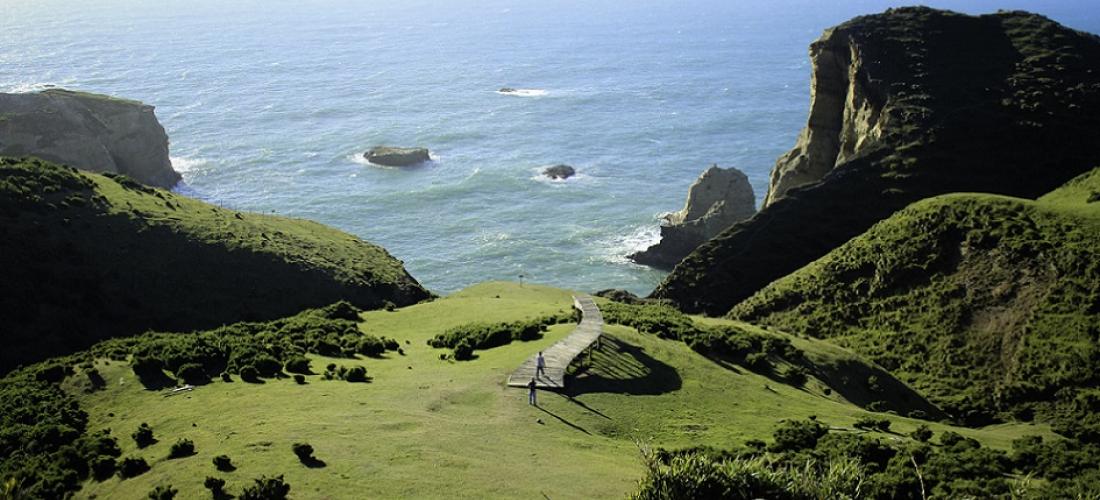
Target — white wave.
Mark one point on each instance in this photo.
(638, 239)
(26, 88)
(183, 165)
(523, 92)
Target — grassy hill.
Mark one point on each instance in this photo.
(989, 305)
(427, 427)
(87, 257)
(929, 102)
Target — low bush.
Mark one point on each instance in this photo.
(922, 433)
(182, 448)
(250, 374)
(299, 379)
(304, 451)
(215, 485)
(370, 345)
(143, 436)
(164, 492)
(872, 423)
(464, 339)
(192, 373)
(226, 377)
(793, 435)
(266, 488)
(103, 467)
(298, 364)
(132, 467)
(223, 463)
(795, 375)
(356, 374)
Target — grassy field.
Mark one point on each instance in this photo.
(425, 427)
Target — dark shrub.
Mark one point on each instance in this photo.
(131, 467)
(331, 367)
(328, 376)
(182, 448)
(266, 488)
(795, 375)
(143, 436)
(922, 433)
(298, 364)
(356, 374)
(758, 361)
(226, 377)
(192, 373)
(304, 451)
(876, 406)
(795, 435)
(103, 467)
(266, 365)
(870, 423)
(147, 367)
(216, 486)
(163, 493)
(53, 373)
(299, 379)
(250, 374)
(223, 463)
(463, 351)
(950, 438)
(370, 345)
(95, 379)
(391, 344)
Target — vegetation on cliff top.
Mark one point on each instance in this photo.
(1005, 103)
(988, 305)
(88, 257)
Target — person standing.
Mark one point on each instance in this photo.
(531, 398)
(540, 366)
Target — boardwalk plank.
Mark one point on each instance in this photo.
(564, 351)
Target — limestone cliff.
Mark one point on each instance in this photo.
(909, 104)
(87, 131)
(718, 199)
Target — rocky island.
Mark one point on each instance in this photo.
(88, 131)
(397, 157)
(559, 172)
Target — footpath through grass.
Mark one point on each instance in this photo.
(425, 427)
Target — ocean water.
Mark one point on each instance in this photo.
(270, 104)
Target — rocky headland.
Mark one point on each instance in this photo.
(87, 131)
(909, 104)
(718, 199)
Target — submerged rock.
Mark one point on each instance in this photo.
(506, 90)
(560, 172)
(87, 131)
(718, 199)
(396, 157)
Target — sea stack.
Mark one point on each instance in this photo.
(397, 157)
(560, 172)
(716, 200)
(88, 131)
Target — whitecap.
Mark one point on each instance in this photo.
(619, 246)
(524, 92)
(182, 164)
(27, 88)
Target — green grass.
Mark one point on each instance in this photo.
(430, 428)
(95, 257)
(986, 304)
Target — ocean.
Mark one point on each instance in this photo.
(269, 106)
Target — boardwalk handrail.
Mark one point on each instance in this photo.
(563, 352)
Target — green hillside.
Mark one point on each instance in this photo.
(87, 257)
(427, 427)
(1004, 103)
(988, 305)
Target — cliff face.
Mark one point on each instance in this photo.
(908, 104)
(846, 107)
(87, 257)
(87, 131)
(716, 200)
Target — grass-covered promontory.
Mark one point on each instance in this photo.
(988, 305)
(427, 427)
(88, 256)
(909, 104)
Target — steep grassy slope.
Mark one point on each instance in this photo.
(425, 427)
(986, 304)
(909, 104)
(86, 257)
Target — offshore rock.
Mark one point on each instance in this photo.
(718, 199)
(396, 157)
(559, 172)
(87, 131)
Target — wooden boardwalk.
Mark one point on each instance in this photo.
(562, 353)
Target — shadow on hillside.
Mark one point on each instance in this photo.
(564, 421)
(623, 368)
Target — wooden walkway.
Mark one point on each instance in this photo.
(562, 353)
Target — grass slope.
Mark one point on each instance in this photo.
(430, 428)
(986, 304)
(87, 257)
(1004, 103)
